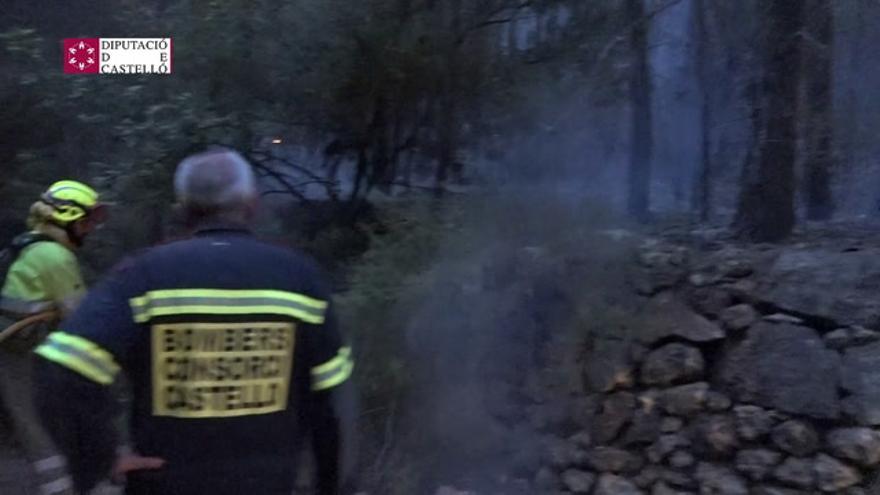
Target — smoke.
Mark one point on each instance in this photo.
(494, 329)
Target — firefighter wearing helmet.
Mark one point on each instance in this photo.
(41, 284)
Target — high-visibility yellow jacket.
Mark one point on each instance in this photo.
(46, 275)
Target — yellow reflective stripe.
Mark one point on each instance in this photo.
(340, 376)
(334, 371)
(340, 358)
(145, 316)
(234, 294)
(219, 301)
(86, 346)
(74, 363)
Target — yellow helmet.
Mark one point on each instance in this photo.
(70, 201)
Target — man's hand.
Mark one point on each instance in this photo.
(128, 462)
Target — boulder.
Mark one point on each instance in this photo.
(645, 427)
(672, 363)
(717, 402)
(577, 481)
(861, 445)
(837, 339)
(661, 266)
(610, 484)
(785, 367)
(685, 400)
(719, 480)
(608, 366)
(796, 472)
(752, 422)
(709, 301)
(617, 410)
(774, 490)
(756, 464)
(830, 284)
(661, 488)
(860, 375)
(671, 424)
(613, 460)
(783, 318)
(850, 337)
(714, 436)
(681, 459)
(665, 445)
(581, 439)
(833, 475)
(739, 317)
(667, 317)
(798, 438)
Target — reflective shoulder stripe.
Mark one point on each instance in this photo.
(227, 302)
(334, 371)
(80, 355)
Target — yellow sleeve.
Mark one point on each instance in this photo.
(46, 272)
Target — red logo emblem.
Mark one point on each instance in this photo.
(81, 55)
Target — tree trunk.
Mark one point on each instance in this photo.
(703, 185)
(449, 97)
(819, 160)
(766, 207)
(639, 180)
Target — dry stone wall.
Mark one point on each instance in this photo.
(741, 383)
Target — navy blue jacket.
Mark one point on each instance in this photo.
(232, 354)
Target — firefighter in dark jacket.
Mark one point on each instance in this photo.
(229, 345)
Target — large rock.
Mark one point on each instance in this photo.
(796, 437)
(752, 422)
(719, 480)
(681, 459)
(610, 484)
(661, 488)
(645, 427)
(860, 375)
(833, 475)
(709, 301)
(613, 460)
(672, 363)
(661, 266)
(774, 490)
(796, 472)
(685, 400)
(668, 317)
(608, 366)
(666, 445)
(577, 481)
(786, 367)
(714, 436)
(739, 317)
(861, 445)
(829, 284)
(617, 410)
(756, 464)
(850, 337)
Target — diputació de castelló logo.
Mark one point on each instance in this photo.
(117, 55)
